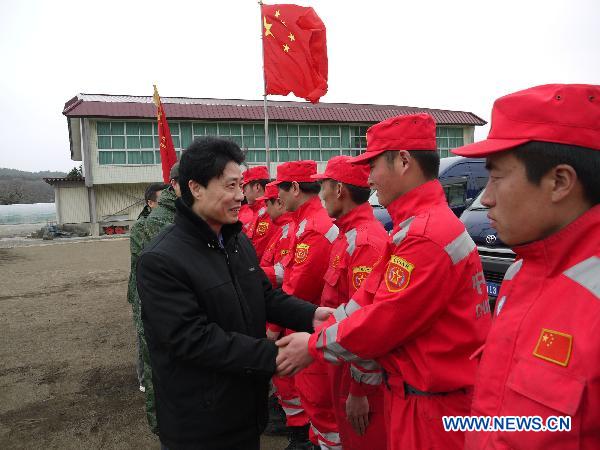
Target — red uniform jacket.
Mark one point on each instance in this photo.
(246, 215)
(358, 247)
(261, 229)
(429, 310)
(311, 244)
(542, 356)
(277, 248)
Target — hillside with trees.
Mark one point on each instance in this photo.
(17, 186)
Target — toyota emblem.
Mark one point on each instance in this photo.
(491, 239)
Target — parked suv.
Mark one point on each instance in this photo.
(462, 180)
(496, 257)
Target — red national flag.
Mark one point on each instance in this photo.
(167, 150)
(295, 51)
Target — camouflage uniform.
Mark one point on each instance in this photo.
(159, 218)
(135, 242)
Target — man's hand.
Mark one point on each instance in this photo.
(293, 354)
(322, 313)
(357, 411)
(273, 335)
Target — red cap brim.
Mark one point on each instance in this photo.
(274, 183)
(488, 147)
(366, 157)
(319, 176)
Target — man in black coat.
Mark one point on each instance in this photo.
(205, 303)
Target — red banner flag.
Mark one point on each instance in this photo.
(295, 51)
(167, 150)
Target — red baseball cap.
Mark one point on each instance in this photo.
(255, 174)
(409, 132)
(271, 192)
(340, 169)
(560, 113)
(298, 171)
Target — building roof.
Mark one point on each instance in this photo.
(136, 107)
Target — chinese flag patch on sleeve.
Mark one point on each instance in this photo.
(554, 346)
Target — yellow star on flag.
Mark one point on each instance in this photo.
(292, 38)
(277, 13)
(286, 48)
(267, 27)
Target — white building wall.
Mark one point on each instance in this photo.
(119, 201)
(72, 203)
(110, 174)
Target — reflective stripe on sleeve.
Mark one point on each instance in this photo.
(587, 274)
(351, 239)
(403, 231)
(460, 248)
(513, 270)
(370, 378)
(332, 234)
(284, 231)
(279, 272)
(301, 227)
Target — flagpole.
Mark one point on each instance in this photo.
(265, 101)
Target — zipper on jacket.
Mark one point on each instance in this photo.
(235, 286)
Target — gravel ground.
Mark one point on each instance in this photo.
(67, 376)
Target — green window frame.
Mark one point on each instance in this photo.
(136, 142)
(448, 138)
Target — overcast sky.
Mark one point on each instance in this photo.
(457, 55)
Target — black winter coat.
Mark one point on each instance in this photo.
(204, 310)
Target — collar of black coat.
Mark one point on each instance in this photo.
(196, 226)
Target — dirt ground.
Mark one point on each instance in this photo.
(67, 375)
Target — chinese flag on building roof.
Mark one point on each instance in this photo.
(295, 51)
(167, 150)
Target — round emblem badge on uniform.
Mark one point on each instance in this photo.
(301, 253)
(397, 274)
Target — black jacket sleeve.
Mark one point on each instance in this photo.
(286, 310)
(174, 320)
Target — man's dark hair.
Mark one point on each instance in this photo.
(204, 160)
(428, 160)
(540, 157)
(152, 191)
(307, 188)
(359, 195)
(263, 183)
(271, 201)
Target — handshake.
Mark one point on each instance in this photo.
(293, 355)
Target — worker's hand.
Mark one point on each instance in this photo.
(273, 335)
(293, 355)
(357, 412)
(322, 313)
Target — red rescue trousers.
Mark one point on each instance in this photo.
(374, 437)
(313, 386)
(415, 421)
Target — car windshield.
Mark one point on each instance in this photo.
(477, 202)
(447, 162)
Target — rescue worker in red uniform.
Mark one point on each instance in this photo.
(358, 405)
(423, 310)
(259, 227)
(277, 249)
(542, 356)
(304, 267)
(279, 245)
